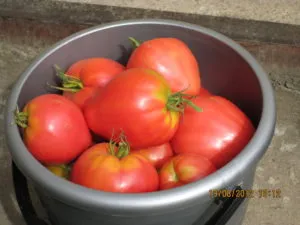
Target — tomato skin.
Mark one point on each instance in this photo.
(81, 97)
(157, 155)
(59, 170)
(219, 133)
(173, 59)
(134, 102)
(204, 92)
(75, 69)
(184, 168)
(56, 132)
(96, 168)
(93, 73)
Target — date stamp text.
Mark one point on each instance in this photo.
(251, 193)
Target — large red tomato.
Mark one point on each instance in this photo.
(173, 59)
(219, 132)
(139, 103)
(157, 155)
(55, 131)
(84, 77)
(109, 168)
(183, 169)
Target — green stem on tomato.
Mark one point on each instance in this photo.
(111, 148)
(178, 101)
(65, 168)
(175, 176)
(123, 150)
(120, 143)
(73, 90)
(21, 118)
(123, 146)
(69, 83)
(135, 43)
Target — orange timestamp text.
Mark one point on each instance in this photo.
(250, 193)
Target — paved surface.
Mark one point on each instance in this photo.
(282, 11)
(84, 13)
(21, 41)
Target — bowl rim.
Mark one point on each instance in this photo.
(154, 202)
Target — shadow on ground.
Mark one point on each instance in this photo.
(7, 197)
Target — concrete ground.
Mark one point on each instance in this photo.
(21, 40)
(263, 10)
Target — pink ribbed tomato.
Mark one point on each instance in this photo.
(218, 133)
(173, 59)
(139, 103)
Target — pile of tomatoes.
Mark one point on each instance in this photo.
(147, 126)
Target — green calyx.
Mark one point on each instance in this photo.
(21, 118)
(175, 176)
(179, 101)
(135, 43)
(123, 149)
(65, 167)
(69, 83)
(121, 145)
(61, 170)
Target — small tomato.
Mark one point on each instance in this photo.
(61, 170)
(183, 169)
(157, 155)
(83, 78)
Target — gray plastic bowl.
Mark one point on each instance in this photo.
(227, 69)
